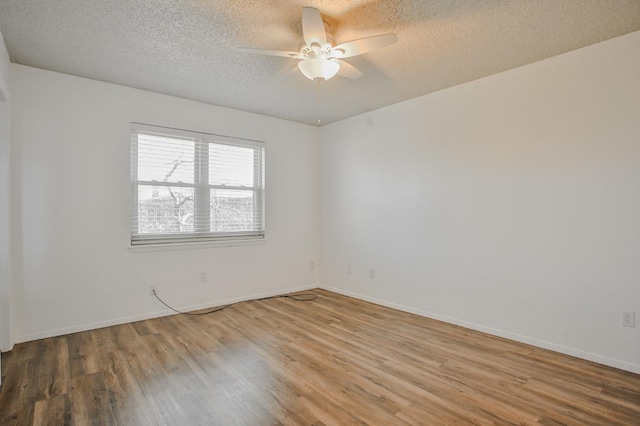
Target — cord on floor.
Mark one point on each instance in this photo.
(300, 297)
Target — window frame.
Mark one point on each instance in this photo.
(201, 188)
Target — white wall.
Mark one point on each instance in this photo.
(6, 339)
(510, 204)
(71, 226)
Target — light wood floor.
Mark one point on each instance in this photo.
(332, 361)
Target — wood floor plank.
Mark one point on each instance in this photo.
(18, 392)
(105, 340)
(331, 361)
(53, 411)
(53, 369)
(327, 412)
(90, 402)
(83, 354)
(127, 401)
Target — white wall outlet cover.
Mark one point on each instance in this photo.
(628, 318)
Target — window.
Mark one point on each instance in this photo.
(190, 186)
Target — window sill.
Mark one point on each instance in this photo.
(147, 248)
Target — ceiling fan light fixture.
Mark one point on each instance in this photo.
(319, 58)
(318, 69)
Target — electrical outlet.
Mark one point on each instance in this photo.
(203, 277)
(152, 289)
(628, 318)
(348, 269)
(372, 273)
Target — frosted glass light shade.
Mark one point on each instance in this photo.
(318, 69)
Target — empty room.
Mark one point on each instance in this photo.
(319, 212)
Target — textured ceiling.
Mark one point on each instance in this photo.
(185, 48)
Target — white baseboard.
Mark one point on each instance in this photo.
(155, 314)
(600, 359)
(612, 362)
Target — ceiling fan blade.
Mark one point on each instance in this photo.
(313, 27)
(281, 53)
(348, 70)
(363, 45)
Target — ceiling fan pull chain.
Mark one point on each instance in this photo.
(318, 100)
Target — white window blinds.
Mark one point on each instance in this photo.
(190, 186)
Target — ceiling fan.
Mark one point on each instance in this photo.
(319, 59)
